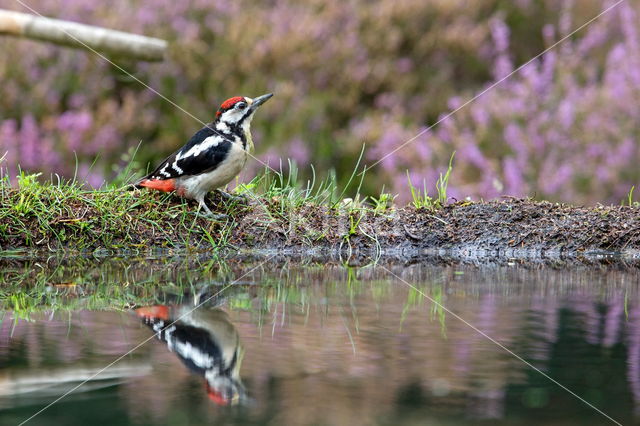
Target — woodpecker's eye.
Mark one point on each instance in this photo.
(241, 105)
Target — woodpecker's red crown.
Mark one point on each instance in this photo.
(237, 109)
(230, 103)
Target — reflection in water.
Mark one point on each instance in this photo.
(365, 349)
(206, 341)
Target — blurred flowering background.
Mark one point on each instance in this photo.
(345, 73)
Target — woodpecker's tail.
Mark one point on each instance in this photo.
(164, 185)
(137, 184)
(152, 181)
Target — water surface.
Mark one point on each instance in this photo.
(316, 344)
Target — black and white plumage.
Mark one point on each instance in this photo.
(206, 341)
(212, 157)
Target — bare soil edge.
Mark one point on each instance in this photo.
(507, 228)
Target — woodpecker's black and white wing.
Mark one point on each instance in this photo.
(204, 152)
(196, 347)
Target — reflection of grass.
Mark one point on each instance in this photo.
(626, 304)
(437, 308)
(25, 301)
(415, 296)
(92, 283)
(32, 287)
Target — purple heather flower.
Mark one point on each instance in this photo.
(29, 143)
(480, 116)
(514, 181)
(105, 137)
(421, 144)
(298, 151)
(9, 140)
(566, 113)
(404, 65)
(387, 101)
(500, 33)
(455, 102)
(471, 153)
(90, 176)
(74, 125)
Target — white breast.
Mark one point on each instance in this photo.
(197, 186)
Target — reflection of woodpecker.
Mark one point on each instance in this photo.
(206, 341)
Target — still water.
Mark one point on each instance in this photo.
(281, 343)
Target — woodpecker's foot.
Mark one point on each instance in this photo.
(217, 217)
(237, 198)
(208, 213)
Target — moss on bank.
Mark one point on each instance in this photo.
(64, 216)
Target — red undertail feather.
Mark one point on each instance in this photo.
(165, 185)
(155, 312)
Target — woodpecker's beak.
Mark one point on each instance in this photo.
(260, 100)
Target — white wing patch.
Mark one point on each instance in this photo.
(210, 142)
(199, 358)
(175, 167)
(164, 171)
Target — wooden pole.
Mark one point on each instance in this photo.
(76, 35)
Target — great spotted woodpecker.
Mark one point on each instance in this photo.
(212, 157)
(206, 341)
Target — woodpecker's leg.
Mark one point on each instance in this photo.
(209, 213)
(231, 197)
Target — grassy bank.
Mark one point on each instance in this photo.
(281, 214)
